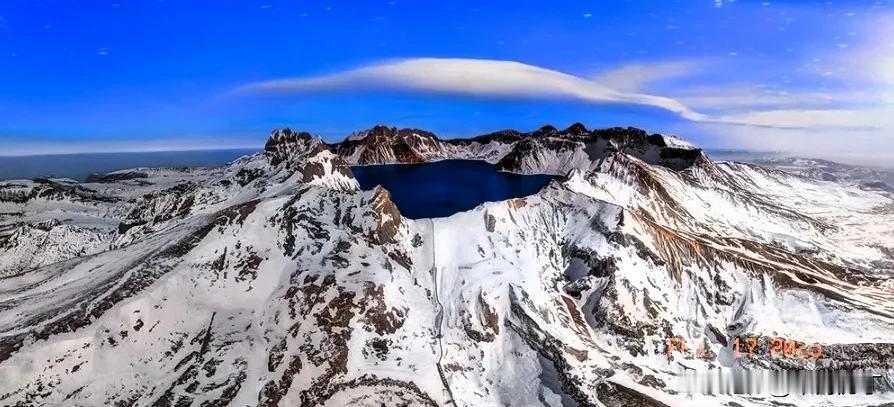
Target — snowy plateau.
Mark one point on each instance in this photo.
(276, 280)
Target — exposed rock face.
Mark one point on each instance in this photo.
(386, 215)
(502, 136)
(384, 145)
(276, 281)
(576, 130)
(287, 145)
(116, 176)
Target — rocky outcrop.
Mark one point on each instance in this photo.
(116, 176)
(309, 158)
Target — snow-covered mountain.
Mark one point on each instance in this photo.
(275, 280)
(864, 177)
(544, 151)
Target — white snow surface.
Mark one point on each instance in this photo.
(276, 281)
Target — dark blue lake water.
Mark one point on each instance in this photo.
(79, 166)
(439, 189)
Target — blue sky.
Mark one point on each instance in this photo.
(806, 76)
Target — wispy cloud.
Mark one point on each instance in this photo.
(752, 97)
(635, 77)
(847, 115)
(850, 119)
(873, 147)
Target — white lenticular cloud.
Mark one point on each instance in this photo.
(509, 79)
(476, 77)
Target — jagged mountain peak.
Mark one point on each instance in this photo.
(501, 136)
(380, 133)
(576, 129)
(286, 134)
(285, 143)
(383, 144)
(291, 152)
(545, 131)
(631, 136)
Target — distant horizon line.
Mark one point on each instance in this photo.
(179, 150)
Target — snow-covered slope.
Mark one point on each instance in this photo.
(276, 281)
(879, 179)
